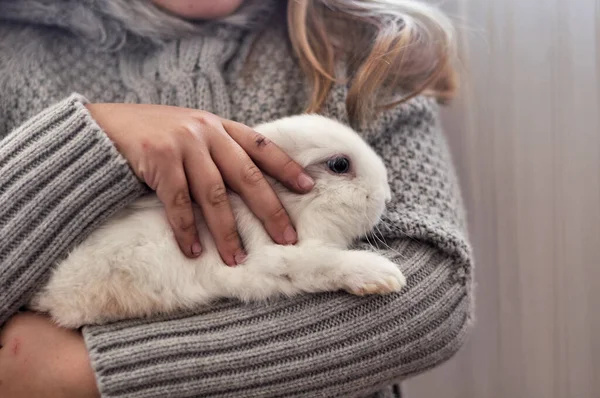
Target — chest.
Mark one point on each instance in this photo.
(246, 79)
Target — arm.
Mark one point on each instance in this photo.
(60, 176)
(321, 344)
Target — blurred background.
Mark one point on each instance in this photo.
(525, 135)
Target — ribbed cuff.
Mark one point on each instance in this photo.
(313, 345)
(60, 176)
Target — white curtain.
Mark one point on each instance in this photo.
(526, 139)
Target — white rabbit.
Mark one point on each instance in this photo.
(132, 267)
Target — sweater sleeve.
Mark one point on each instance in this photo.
(60, 176)
(330, 344)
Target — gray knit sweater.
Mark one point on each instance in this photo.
(61, 177)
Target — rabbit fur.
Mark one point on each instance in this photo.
(132, 267)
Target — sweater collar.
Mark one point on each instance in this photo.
(110, 23)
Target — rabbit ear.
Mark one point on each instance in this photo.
(311, 138)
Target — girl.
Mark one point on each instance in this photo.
(102, 100)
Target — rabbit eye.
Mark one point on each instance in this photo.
(339, 165)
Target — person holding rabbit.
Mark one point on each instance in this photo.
(104, 101)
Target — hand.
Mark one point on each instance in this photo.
(40, 359)
(184, 153)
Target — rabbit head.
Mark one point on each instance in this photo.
(351, 186)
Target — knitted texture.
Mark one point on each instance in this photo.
(61, 177)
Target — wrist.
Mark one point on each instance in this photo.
(100, 114)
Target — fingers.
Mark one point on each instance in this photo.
(269, 157)
(172, 190)
(244, 177)
(208, 190)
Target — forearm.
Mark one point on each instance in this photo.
(323, 344)
(60, 176)
(314, 345)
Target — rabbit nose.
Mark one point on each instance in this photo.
(388, 197)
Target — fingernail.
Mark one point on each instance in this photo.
(240, 258)
(305, 182)
(196, 249)
(231, 262)
(289, 235)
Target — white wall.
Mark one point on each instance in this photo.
(526, 140)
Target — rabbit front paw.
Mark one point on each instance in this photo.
(373, 275)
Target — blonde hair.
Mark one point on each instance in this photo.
(393, 49)
(389, 47)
